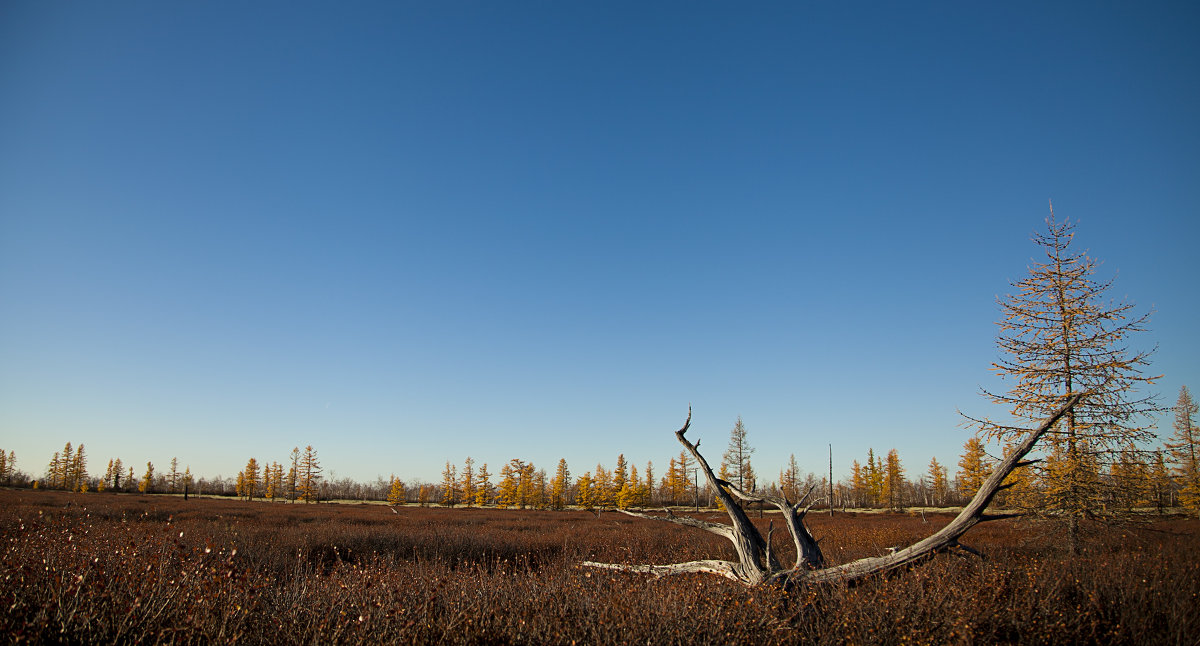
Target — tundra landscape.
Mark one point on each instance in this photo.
(369, 323)
(129, 568)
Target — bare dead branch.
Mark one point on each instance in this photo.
(756, 563)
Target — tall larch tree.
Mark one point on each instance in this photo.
(858, 484)
(52, 472)
(939, 485)
(619, 474)
(294, 474)
(449, 485)
(893, 480)
(484, 492)
(395, 492)
(973, 468)
(873, 474)
(506, 491)
(541, 490)
(1183, 451)
(602, 484)
(525, 483)
(686, 479)
(585, 493)
(737, 458)
(467, 484)
(66, 459)
(560, 485)
(310, 475)
(671, 484)
(1130, 479)
(268, 481)
(7, 464)
(250, 479)
(789, 480)
(1060, 335)
(146, 484)
(77, 471)
(632, 493)
(273, 480)
(173, 475)
(649, 483)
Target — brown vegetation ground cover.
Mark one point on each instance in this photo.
(155, 569)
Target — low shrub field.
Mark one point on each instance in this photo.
(88, 568)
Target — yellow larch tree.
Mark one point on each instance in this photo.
(250, 479)
(77, 471)
(858, 485)
(1059, 336)
(540, 494)
(736, 460)
(973, 468)
(526, 494)
(649, 483)
(560, 486)
(893, 481)
(1183, 451)
(268, 481)
(627, 494)
(506, 491)
(449, 485)
(602, 484)
(396, 492)
(173, 476)
(939, 485)
(671, 485)
(484, 491)
(310, 475)
(468, 484)
(1130, 480)
(620, 474)
(873, 474)
(146, 484)
(789, 480)
(585, 494)
(118, 470)
(293, 477)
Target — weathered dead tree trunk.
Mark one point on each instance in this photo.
(757, 565)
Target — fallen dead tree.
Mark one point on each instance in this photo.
(757, 565)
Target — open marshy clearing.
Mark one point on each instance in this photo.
(129, 568)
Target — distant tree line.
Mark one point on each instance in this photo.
(1159, 479)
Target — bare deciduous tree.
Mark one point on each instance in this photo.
(756, 563)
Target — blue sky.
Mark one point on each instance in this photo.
(407, 233)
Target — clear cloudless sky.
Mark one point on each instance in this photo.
(412, 232)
